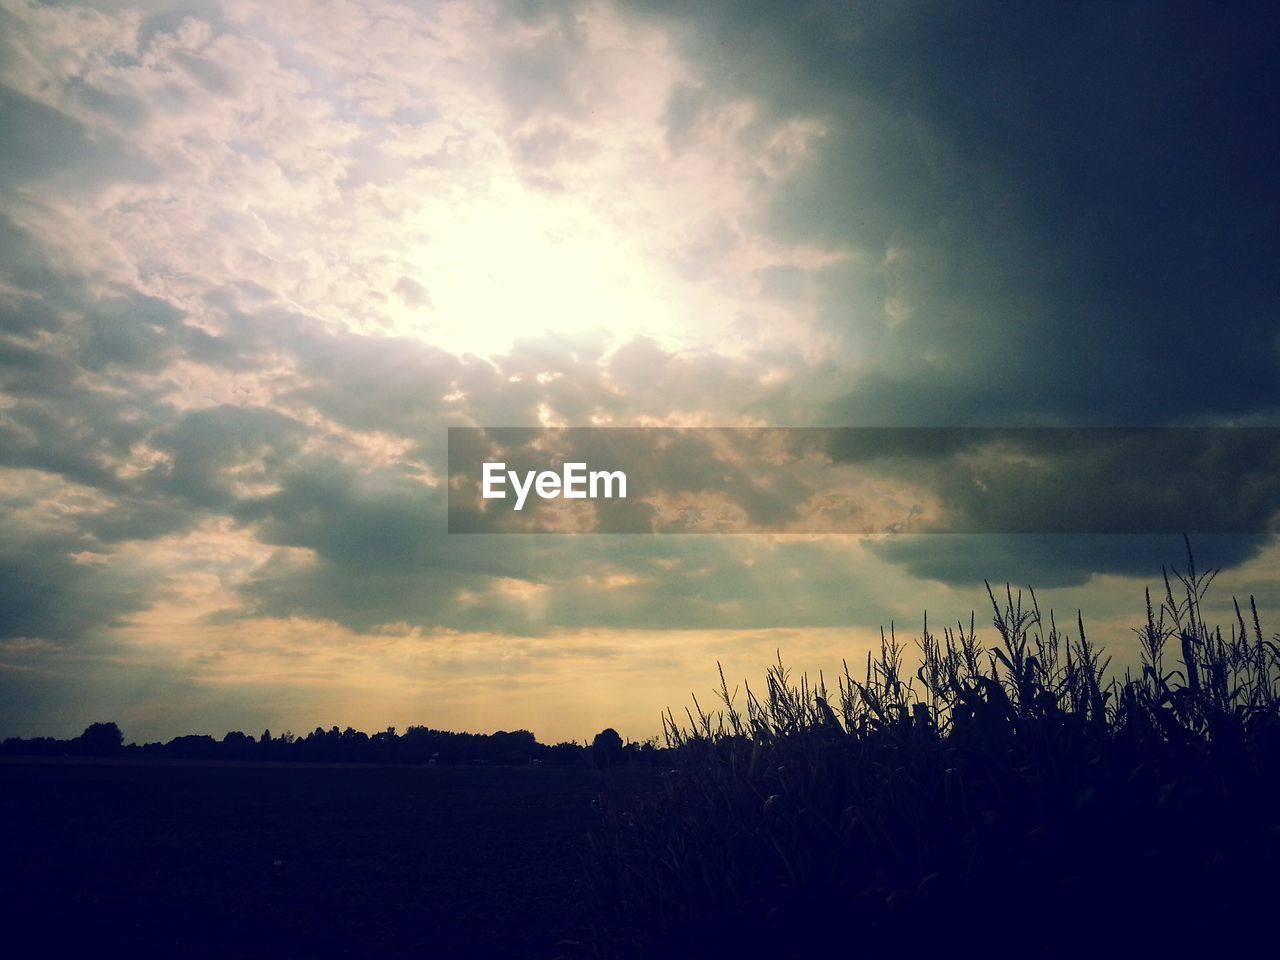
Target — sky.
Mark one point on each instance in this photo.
(256, 259)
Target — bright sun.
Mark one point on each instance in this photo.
(515, 264)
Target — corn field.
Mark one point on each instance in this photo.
(1011, 799)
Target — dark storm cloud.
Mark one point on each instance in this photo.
(40, 143)
(1082, 197)
(1059, 560)
(376, 553)
(70, 363)
(1086, 480)
(46, 592)
(78, 369)
(1066, 216)
(54, 315)
(57, 423)
(203, 447)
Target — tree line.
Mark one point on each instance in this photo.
(416, 745)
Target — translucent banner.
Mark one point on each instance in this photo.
(864, 480)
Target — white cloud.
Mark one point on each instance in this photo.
(331, 152)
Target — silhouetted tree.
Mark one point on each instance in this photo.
(563, 753)
(194, 746)
(100, 740)
(606, 748)
(417, 745)
(238, 745)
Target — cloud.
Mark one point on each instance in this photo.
(256, 259)
(1022, 206)
(1058, 560)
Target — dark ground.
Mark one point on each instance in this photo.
(257, 860)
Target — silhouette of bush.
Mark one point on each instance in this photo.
(1015, 797)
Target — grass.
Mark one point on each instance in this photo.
(1019, 799)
